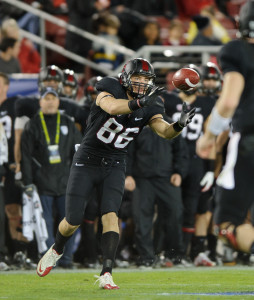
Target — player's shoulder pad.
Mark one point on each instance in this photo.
(113, 86)
(231, 49)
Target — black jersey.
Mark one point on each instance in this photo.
(203, 104)
(29, 106)
(109, 135)
(238, 56)
(7, 118)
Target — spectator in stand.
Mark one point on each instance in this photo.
(80, 15)
(29, 57)
(205, 36)
(175, 34)
(104, 55)
(188, 9)
(150, 35)
(219, 31)
(130, 20)
(150, 7)
(9, 49)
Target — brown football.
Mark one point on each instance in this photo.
(185, 79)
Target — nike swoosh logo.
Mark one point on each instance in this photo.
(40, 270)
(138, 119)
(79, 165)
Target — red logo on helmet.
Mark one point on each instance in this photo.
(145, 66)
(70, 77)
(53, 72)
(212, 70)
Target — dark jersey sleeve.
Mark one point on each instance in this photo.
(155, 110)
(112, 86)
(74, 110)
(27, 106)
(231, 56)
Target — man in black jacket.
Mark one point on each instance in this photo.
(157, 166)
(47, 146)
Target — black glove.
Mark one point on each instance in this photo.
(152, 98)
(148, 100)
(29, 190)
(185, 118)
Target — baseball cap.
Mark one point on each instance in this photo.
(48, 90)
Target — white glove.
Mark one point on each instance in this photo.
(76, 147)
(207, 181)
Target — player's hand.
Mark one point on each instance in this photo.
(152, 98)
(186, 116)
(176, 180)
(207, 181)
(130, 183)
(204, 145)
(29, 190)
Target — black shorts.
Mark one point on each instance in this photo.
(12, 192)
(106, 175)
(235, 188)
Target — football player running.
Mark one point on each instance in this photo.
(235, 194)
(123, 107)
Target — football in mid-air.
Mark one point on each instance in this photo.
(185, 79)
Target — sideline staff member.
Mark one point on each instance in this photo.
(47, 145)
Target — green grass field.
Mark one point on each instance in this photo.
(192, 283)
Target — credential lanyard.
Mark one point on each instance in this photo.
(45, 129)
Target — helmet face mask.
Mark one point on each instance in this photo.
(51, 76)
(211, 79)
(138, 77)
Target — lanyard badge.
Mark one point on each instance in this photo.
(53, 150)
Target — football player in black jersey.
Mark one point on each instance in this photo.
(211, 79)
(234, 191)
(210, 86)
(195, 184)
(12, 193)
(123, 107)
(69, 84)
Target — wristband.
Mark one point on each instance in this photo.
(177, 127)
(209, 164)
(134, 104)
(218, 123)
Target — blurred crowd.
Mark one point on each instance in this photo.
(166, 213)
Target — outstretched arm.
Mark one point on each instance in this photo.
(169, 131)
(115, 106)
(163, 128)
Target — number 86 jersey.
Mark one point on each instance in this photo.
(110, 135)
(203, 105)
